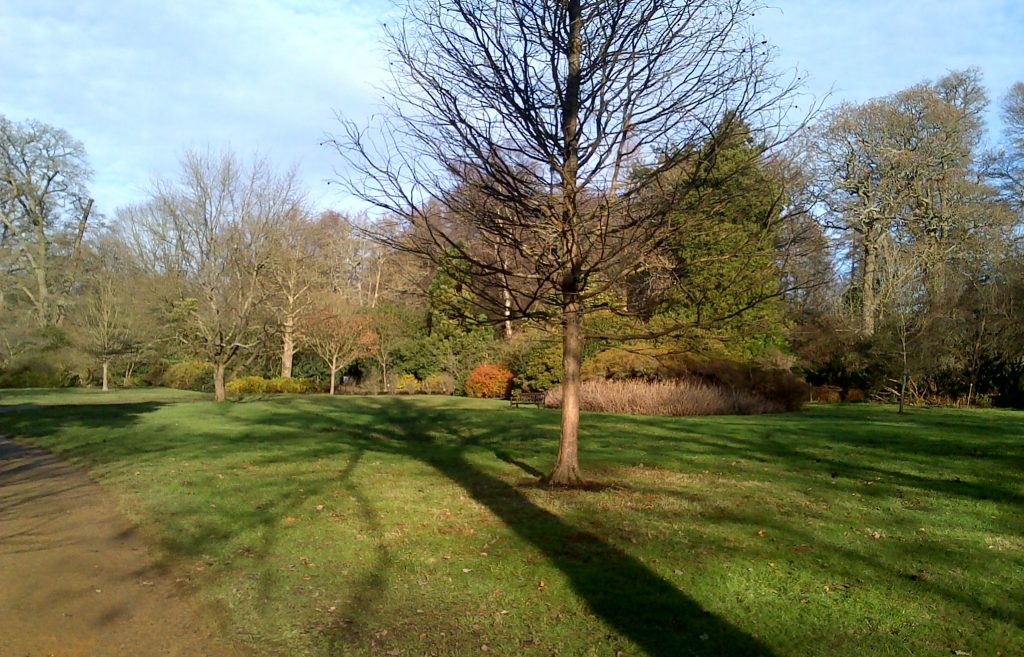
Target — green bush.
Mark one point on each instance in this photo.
(538, 368)
(35, 371)
(621, 364)
(189, 375)
(247, 385)
(407, 384)
(286, 385)
(439, 384)
(489, 381)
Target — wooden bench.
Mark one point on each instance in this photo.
(520, 397)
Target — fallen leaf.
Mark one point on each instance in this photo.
(760, 533)
(541, 585)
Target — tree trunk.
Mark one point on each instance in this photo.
(507, 324)
(868, 300)
(334, 372)
(288, 347)
(218, 382)
(106, 365)
(567, 467)
(128, 373)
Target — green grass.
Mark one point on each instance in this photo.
(411, 526)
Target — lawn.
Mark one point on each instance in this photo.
(413, 526)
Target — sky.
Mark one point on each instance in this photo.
(138, 82)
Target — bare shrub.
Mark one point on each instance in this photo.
(674, 398)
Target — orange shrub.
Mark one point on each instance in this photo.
(489, 381)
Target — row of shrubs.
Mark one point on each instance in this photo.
(248, 385)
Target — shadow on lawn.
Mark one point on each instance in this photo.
(616, 587)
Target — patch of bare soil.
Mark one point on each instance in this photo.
(75, 578)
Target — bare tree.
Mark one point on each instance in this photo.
(513, 126)
(294, 274)
(898, 164)
(338, 332)
(105, 324)
(213, 229)
(44, 212)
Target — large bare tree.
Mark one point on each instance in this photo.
(511, 131)
(899, 165)
(44, 212)
(210, 234)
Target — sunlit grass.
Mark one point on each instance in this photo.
(374, 525)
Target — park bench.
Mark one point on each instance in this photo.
(520, 397)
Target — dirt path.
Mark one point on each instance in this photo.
(76, 580)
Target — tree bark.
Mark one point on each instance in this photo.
(218, 382)
(567, 467)
(288, 346)
(334, 372)
(868, 300)
(106, 364)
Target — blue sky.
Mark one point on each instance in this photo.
(138, 82)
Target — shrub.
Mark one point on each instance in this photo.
(826, 394)
(33, 371)
(288, 385)
(407, 384)
(439, 384)
(674, 398)
(247, 385)
(538, 368)
(855, 395)
(621, 364)
(489, 381)
(189, 375)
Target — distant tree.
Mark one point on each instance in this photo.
(339, 333)
(213, 229)
(105, 323)
(44, 213)
(903, 163)
(1006, 167)
(511, 131)
(294, 276)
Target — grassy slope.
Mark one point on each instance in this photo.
(372, 525)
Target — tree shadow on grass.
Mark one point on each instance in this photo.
(627, 595)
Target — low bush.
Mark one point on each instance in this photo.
(289, 385)
(33, 372)
(439, 384)
(247, 385)
(621, 364)
(189, 375)
(407, 384)
(827, 394)
(673, 398)
(855, 396)
(489, 381)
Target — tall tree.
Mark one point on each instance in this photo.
(44, 212)
(294, 275)
(903, 165)
(516, 122)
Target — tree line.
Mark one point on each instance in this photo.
(554, 186)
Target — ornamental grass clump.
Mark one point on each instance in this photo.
(672, 398)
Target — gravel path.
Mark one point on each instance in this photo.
(75, 578)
